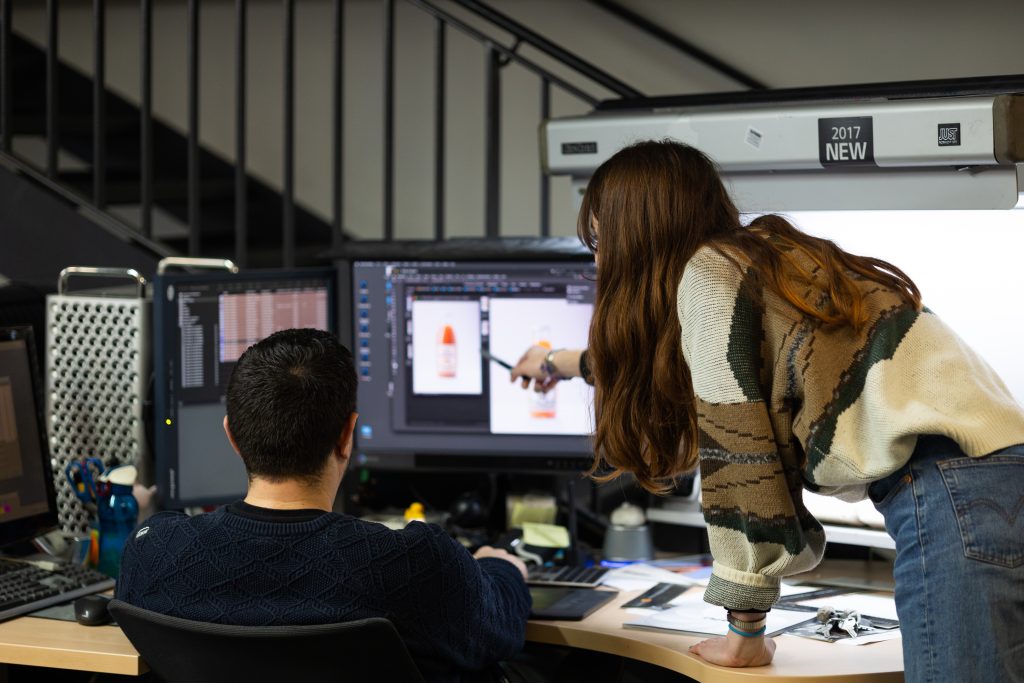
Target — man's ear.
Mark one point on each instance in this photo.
(344, 447)
(231, 437)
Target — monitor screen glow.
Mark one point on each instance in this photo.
(427, 393)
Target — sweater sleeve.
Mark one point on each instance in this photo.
(758, 528)
(469, 614)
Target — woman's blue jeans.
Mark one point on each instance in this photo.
(958, 523)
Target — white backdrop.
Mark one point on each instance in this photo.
(969, 266)
(428, 319)
(515, 325)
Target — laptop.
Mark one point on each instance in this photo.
(567, 604)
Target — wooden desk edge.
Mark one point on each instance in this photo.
(67, 645)
(603, 632)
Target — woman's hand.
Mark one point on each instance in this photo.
(530, 368)
(735, 650)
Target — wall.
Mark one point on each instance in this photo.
(794, 43)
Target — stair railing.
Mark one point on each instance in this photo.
(496, 56)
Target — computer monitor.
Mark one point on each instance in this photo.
(428, 398)
(28, 503)
(202, 324)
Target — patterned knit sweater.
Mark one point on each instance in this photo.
(785, 403)
(252, 566)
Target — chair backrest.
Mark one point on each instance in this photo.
(185, 651)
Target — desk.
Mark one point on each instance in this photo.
(67, 645)
(796, 659)
(33, 641)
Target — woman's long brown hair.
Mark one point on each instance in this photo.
(656, 204)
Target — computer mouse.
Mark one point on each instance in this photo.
(91, 610)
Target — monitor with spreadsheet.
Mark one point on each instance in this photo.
(202, 324)
(28, 504)
(428, 396)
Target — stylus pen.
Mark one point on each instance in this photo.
(499, 361)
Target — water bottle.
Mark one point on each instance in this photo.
(118, 513)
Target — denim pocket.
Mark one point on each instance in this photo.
(883, 491)
(988, 498)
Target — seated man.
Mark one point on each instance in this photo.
(281, 556)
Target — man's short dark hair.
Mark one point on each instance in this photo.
(287, 402)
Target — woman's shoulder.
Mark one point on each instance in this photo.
(709, 270)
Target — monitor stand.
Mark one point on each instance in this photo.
(52, 544)
(573, 556)
(49, 547)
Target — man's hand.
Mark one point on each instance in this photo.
(735, 650)
(502, 554)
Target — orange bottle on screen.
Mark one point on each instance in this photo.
(447, 353)
(542, 406)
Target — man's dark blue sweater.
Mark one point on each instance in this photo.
(254, 566)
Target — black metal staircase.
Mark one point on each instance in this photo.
(121, 185)
(145, 183)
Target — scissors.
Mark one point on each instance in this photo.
(83, 475)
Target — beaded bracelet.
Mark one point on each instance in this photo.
(748, 634)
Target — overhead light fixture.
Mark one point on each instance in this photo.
(929, 153)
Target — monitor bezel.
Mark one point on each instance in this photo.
(28, 528)
(167, 347)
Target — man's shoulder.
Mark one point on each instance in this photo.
(165, 521)
(417, 540)
(413, 532)
(162, 519)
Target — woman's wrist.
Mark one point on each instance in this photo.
(744, 647)
(746, 616)
(564, 363)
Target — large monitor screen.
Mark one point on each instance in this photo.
(202, 324)
(429, 397)
(27, 500)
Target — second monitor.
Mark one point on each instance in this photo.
(203, 323)
(428, 396)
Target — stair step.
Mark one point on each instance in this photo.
(127, 188)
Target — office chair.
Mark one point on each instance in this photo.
(185, 651)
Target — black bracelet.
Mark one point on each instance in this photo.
(585, 368)
(748, 626)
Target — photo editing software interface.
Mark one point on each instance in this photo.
(26, 496)
(427, 391)
(203, 325)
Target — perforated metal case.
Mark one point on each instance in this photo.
(97, 369)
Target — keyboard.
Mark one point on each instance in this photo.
(26, 587)
(583, 577)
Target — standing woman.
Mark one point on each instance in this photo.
(778, 362)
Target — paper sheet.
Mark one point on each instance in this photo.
(691, 614)
(869, 605)
(640, 577)
(786, 589)
(871, 638)
(545, 535)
